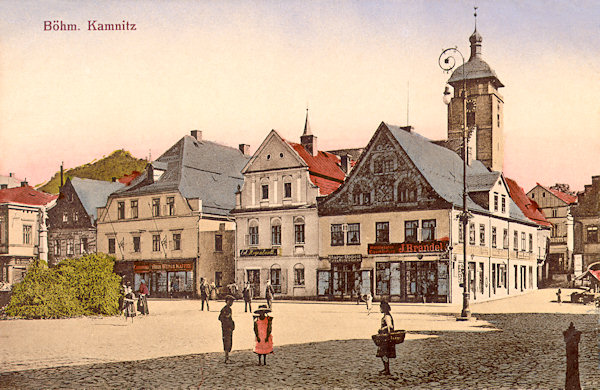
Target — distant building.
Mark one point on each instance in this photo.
(10, 181)
(171, 225)
(276, 213)
(23, 232)
(586, 215)
(557, 207)
(72, 221)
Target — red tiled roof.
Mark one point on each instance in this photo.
(567, 198)
(127, 179)
(324, 169)
(25, 195)
(595, 273)
(527, 205)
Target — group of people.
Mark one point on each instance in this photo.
(128, 300)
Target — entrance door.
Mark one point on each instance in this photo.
(254, 279)
(346, 277)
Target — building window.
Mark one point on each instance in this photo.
(554, 213)
(70, 247)
(253, 233)
(353, 234)
(516, 240)
(121, 210)
(287, 190)
(57, 247)
(171, 205)
(298, 275)
(410, 231)
(366, 198)
(218, 279)
(481, 234)
(495, 202)
(265, 191)
(276, 232)
(111, 245)
(530, 243)
(299, 230)
(472, 234)
(156, 243)
(156, 207)
(134, 208)
(493, 237)
(406, 194)
(136, 244)
(276, 278)
(523, 247)
(592, 234)
(382, 232)
(27, 234)
(505, 239)
(503, 203)
(218, 243)
(428, 231)
(65, 217)
(337, 235)
(176, 241)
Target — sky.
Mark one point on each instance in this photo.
(237, 69)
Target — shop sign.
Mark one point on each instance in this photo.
(408, 247)
(258, 252)
(353, 258)
(152, 267)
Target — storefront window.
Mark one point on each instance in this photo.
(382, 276)
(323, 282)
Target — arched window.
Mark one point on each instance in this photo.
(407, 193)
(276, 277)
(298, 275)
(299, 230)
(275, 231)
(253, 232)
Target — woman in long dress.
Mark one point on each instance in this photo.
(262, 330)
(129, 303)
(387, 348)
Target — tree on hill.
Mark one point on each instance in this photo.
(118, 164)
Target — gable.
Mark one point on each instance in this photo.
(68, 202)
(273, 154)
(384, 179)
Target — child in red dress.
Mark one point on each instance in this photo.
(262, 331)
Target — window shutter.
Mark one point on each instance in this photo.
(284, 283)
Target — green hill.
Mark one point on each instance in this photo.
(118, 164)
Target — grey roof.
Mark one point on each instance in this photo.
(482, 182)
(94, 193)
(197, 169)
(475, 68)
(443, 170)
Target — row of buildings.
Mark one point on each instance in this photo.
(380, 219)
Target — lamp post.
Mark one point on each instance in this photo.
(447, 62)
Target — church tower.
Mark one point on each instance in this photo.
(484, 107)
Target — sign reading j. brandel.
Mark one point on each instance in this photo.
(258, 252)
(408, 247)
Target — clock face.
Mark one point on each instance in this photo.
(471, 105)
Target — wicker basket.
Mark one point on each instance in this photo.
(396, 337)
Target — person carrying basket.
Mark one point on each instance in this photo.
(386, 338)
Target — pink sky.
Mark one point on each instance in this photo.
(237, 69)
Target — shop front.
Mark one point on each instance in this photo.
(345, 277)
(412, 272)
(166, 279)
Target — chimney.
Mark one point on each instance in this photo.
(61, 175)
(24, 183)
(197, 134)
(345, 163)
(245, 149)
(310, 144)
(11, 174)
(408, 129)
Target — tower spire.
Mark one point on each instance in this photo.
(306, 125)
(475, 40)
(475, 14)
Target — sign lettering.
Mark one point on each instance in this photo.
(258, 252)
(408, 247)
(153, 267)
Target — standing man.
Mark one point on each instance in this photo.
(227, 326)
(204, 293)
(269, 293)
(143, 301)
(247, 293)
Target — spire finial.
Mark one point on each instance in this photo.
(475, 14)
(306, 124)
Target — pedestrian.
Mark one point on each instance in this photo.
(369, 301)
(204, 293)
(247, 293)
(269, 292)
(143, 300)
(129, 302)
(174, 285)
(387, 348)
(263, 324)
(227, 325)
(558, 296)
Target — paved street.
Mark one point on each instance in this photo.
(318, 345)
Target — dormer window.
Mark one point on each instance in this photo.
(503, 204)
(495, 201)
(157, 174)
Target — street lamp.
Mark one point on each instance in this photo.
(447, 62)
